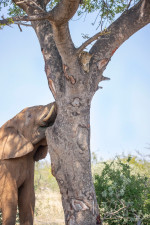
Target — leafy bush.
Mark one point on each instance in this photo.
(123, 197)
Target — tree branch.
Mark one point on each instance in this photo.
(8, 21)
(90, 40)
(64, 43)
(19, 27)
(60, 15)
(30, 3)
(23, 24)
(120, 30)
(63, 11)
(23, 6)
(125, 26)
(115, 212)
(128, 6)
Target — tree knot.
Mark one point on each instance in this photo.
(79, 205)
(68, 77)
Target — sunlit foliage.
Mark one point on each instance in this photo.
(107, 10)
(123, 195)
(12, 9)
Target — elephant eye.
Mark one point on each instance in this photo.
(29, 115)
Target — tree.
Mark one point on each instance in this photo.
(73, 81)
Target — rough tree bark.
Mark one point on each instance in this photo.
(73, 89)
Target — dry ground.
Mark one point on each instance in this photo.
(48, 208)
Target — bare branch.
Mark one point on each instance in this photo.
(128, 6)
(8, 21)
(23, 24)
(114, 213)
(18, 3)
(90, 40)
(19, 27)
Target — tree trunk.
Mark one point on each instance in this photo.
(69, 138)
(69, 141)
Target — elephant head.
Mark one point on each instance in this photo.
(26, 132)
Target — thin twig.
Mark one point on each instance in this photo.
(86, 43)
(23, 24)
(114, 213)
(129, 4)
(19, 27)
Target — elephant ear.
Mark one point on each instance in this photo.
(13, 144)
(41, 152)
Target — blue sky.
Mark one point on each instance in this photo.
(120, 112)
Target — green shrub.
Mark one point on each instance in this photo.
(123, 197)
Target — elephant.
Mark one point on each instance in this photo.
(22, 142)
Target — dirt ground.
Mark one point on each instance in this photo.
(48, 208)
